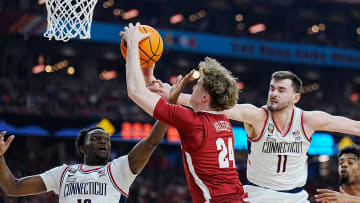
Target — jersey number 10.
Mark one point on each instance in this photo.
(225, 150)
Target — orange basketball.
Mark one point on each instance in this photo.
(150, 48)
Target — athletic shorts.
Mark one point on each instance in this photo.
(262, 195)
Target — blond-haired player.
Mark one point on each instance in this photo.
(280, 137)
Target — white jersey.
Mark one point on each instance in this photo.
(278, 160)
(91, 184)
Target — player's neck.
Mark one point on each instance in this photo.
(353, 189)
(90, 162)
(203, 107)
(283, 117)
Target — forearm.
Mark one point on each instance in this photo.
(7, 179)
(134, 78)
(141, 153)
(19, 187)
(135, 82)
(184, 99)
(357, 128)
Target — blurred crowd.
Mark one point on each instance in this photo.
(72, 98)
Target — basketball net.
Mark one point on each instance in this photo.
(69, 18)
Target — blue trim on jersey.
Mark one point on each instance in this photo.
(123, 198)
(295, 190)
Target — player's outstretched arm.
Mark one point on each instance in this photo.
(9, 184)
(135, 82)
(322, 121)
(325, 195)
(141, 153)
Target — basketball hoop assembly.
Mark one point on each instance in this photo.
(69, 18)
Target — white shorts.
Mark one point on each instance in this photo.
(262, 195)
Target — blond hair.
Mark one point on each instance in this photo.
(219, 83)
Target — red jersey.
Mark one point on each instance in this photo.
(207, 144)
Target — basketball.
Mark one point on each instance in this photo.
(150, 48)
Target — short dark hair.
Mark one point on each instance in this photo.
(296, 82)
(81, 138)
(353, 149)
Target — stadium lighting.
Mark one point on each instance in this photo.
(324, 158)
(117, 12)
(240, 26)
(71, 70)
(108, 75)
(201, 14)
(322, 27)
(130, 14)
(239, 17)
(177, 18)
(260, 27)
(192, 18)
(38, 69)
(48, 69)
(315, 29)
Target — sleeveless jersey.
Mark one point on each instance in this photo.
(74, 184)
(83, 186)
(211, 170)
(278, 160)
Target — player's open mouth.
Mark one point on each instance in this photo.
(103, 149)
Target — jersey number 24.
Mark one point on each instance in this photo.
(226, 154)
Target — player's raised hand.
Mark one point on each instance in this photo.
(5, 145)
(327, 196)
(132, 35)
(160, 88)
(148, 73)
(179, 85)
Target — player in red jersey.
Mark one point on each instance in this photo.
(207, 140)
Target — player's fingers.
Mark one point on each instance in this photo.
(131, 25)
(157, 82)
(146, 35)
(137, 24)
(178, 79)
(190, 74)
(122, 33)
(9, 140)
(324, 190)
(154, 88)
(341, 190)
(2, 135)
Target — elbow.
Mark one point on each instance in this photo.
(10, 192)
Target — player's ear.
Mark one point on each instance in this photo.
(83, 149)
(206, 97)
(297, 97)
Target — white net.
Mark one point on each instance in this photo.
(69, 18)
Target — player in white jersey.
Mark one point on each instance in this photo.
(96, 180)
(276, 171)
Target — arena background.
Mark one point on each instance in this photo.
(50, 90)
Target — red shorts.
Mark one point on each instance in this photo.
(229, 199)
